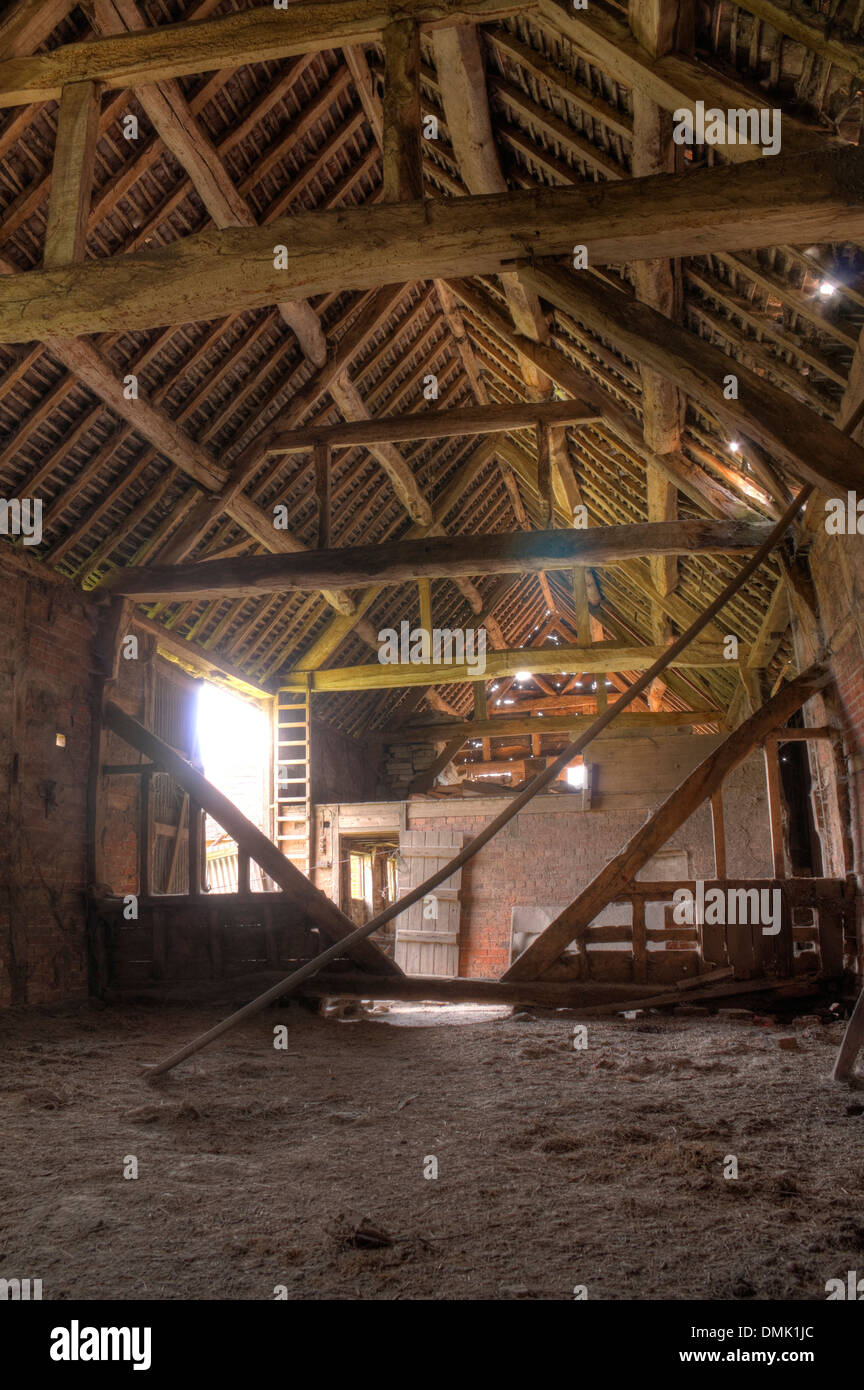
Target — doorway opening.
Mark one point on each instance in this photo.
(368, 877)
(235, 747)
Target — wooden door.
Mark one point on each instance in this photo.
(427, 935)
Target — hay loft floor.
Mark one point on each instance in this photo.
(556, 1167)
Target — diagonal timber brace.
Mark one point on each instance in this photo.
(296, 887)
(572, 924)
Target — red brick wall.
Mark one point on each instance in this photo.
(545, 858)
(539, 859)
(46, 687)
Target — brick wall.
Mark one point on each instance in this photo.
(47, 688)
(546, 858)
(552, 849)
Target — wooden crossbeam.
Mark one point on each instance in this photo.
(261, 35)
(573, 923)
(597, 659)
(436, 556)
(788, 198)
(516, 726)
(296, 887)
(434, 424)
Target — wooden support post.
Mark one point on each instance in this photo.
(480, 711)
(719, 828)
(145, 832)
(424, 591)
(403, 161)
(602, 695)
(182, 826)
(72, 174)
(195, 849)
(106, 656)
(640, 941)
(580, 604)
(775, 808)
(321, 456)
(242, 871)
(544, 474)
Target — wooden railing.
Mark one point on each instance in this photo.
(815, 914)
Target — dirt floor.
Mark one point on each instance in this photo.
(557, 1166)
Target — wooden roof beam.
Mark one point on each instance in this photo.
(249, 460)
(523, 552)
(212, 273)
(434, 424)
(660, 26)
(461, 78)
(518, 726)
(834, 42)
(26, 24)
(598, 657)
(253, 36)
(695, 482)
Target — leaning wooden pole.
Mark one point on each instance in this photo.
(853, 1039)
(535, 786)
(572, 924)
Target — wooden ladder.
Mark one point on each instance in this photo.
(293, 736)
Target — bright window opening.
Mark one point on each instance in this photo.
(234, 746)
